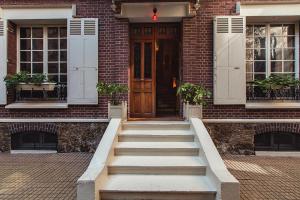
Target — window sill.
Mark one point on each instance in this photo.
(37, 105)
(273, 105)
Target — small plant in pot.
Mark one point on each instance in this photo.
(194, 97)
(116, 107)
(24, 81)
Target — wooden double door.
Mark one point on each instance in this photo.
(145, 43)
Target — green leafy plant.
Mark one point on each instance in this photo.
(193, 94)
(112, 90)
(276, 82)
(24, 77)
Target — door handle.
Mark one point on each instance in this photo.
(236, 68)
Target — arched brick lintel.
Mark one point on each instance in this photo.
(278, 127)
(35, 127)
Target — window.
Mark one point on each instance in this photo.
(43, 49)
(271, 49)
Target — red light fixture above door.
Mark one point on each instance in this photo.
(154, 16)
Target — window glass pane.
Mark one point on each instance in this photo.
(276, 54)
(249, 77)
(63, 56)
(52, 44)
(288, 29)
(25, 44)
(53, 78)
(63, 67)
(259, 30)
(63, 32)
(259, 54)
(63, 44)
(259, 66)
(276, 29)
(289, 66)
(289, 41)
(260, 42)
(276, 66)
(63, 78)
(148, 60)
(249, 54)
(259, 76)
(37, 68)
(249, 42)
(276, 42)
(52, 32)
(53, 68)
(249, 66)
(37, 56)
(289, 54)
(25, 32)
(52, 56)
(25, 56)
(137, 60)
(25, 67)
(249, 31)
(37, 32)
(37, 44)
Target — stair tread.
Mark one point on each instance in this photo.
(158, 183)
(156, 122)
(153, 145)
(158, 161)
(156, 132)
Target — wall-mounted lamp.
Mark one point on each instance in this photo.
(197, 5)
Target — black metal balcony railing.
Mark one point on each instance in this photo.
(288, 93)
(58, 94)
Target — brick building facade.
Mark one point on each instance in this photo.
(114, 61)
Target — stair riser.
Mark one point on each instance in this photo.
(180, 170)
(156, 196)
(156, 127)
(156, 152)
(155, 138)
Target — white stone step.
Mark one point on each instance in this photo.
(157, 148)
(173, 165)
(157, 187)
(156, 125)
(156, 135)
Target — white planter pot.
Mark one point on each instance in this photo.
(117, 111)
(192, 111)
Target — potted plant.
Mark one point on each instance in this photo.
(193, 97)
(116, 107)
(23, 81)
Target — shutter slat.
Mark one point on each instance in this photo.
(222, 25)
(75, 27)
(1, 28)
(237, 25)
(89, 27)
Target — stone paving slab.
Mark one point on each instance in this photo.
(54, 176)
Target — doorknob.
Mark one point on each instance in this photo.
(174, 82)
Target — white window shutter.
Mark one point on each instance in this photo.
(229, 60)
(3, 60)
(82, 61)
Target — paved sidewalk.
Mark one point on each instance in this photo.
(53, 176)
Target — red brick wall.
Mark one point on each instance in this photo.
(114, 58)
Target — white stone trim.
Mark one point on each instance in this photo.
(54, 120)
(251, 120)
(278, 153)
(32, 152)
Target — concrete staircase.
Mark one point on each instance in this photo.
(157, 161)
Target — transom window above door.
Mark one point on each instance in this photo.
(271, 49)
(43, 49)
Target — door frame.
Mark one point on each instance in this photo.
(153, 38)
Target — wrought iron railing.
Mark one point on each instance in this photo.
(58, 94)
(285, 93)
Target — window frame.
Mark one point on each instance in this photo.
(45, 48)
(268, 48)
